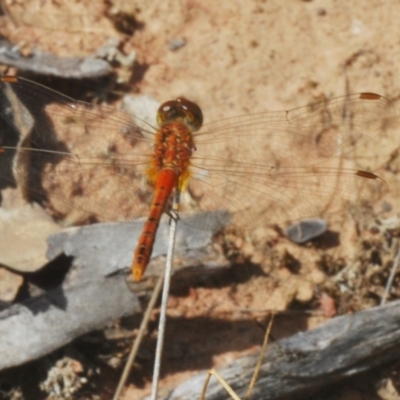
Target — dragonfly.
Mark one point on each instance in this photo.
(93, 163)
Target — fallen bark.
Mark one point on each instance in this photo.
(342, 347)
(94, 291)
(47, 64)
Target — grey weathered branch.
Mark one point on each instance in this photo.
(51, 65)
(338, 349)
(94, 291)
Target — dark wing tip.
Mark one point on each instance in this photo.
(9, 79)
(370, 175)
(366, 174)
(370, 96)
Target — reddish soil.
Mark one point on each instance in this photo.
(239, 58)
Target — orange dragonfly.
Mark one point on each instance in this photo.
(92, 163)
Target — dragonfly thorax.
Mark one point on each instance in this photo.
(173, 148)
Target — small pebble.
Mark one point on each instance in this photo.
(305, 292)
(176, 44)
(257, 258)
(306, 229)
(247, 249)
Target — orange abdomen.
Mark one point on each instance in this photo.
(166, 182)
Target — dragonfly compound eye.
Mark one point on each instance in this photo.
(181, 110)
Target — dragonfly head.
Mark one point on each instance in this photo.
(181, 110)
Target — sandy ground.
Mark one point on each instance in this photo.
(238, 58)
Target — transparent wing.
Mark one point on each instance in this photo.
(89, 163)
(272, 168)
(84, 162)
